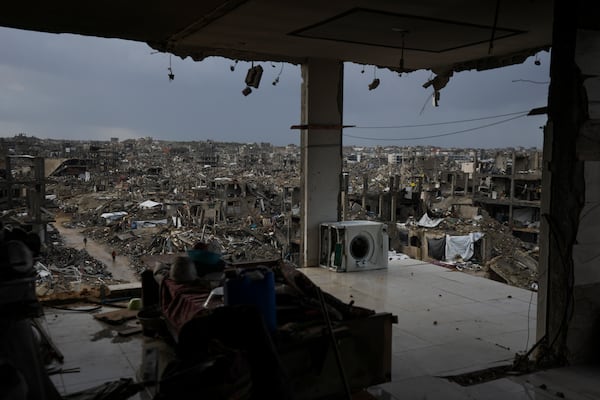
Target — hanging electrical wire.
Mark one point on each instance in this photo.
(171, 74)
(530, 81)
(444, 123)
(276, 80)
(441, 134)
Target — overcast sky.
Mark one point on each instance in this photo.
(75, 87)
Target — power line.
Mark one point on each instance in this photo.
(530, 81)
(441, 134)
(444, 123)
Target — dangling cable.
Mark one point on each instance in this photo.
(276, 81)
(494, 27)
(171, 74)
(402, 53)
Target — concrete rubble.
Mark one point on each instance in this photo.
(65, 269)
(500, 255)
(143, 197)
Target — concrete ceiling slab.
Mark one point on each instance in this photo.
(439, 35)
(411, 32)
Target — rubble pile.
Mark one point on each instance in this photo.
(501, 237)
(516, 268)
(234, 241)
(66, 269)
(148, 197)
(249, 244)
(512, 260)
(137, 231)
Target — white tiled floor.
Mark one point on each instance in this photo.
(94, 348)
(449, 323)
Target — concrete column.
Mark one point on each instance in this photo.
(392, 199)
(512, 190)
(321, 151)
(365, 191)
(40, 196)
(345, 201)
(9, 179)
(563, 198)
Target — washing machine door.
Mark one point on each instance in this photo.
(361, 247)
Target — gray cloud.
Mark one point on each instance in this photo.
(74, 87)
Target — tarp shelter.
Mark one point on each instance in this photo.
(113, 216)
(427, 222)
(461, 246)
(148, 204)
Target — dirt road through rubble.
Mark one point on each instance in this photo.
(121, 269)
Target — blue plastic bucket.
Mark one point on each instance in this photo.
(255, 287)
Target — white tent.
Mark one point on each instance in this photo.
(149, 204)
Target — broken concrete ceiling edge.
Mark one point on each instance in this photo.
(478, 64)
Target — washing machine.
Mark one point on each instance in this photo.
(348, 246)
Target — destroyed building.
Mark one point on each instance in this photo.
(510, 188)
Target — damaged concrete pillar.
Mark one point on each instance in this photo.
(512, 190)
(365, 191)
(345, 200)
(40, 195)
(321, 151)
(9, 179)
(393, 185)
(562, 202)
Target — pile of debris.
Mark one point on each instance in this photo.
(70, 270)
(64, 269)
(513, 261)
(506, 258)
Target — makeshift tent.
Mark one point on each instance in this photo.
(461, 246)
(149, 204)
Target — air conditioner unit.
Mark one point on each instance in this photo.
(353, 245)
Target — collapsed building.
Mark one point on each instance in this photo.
(253, 212)
(453, 187)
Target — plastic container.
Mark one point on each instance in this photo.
(255, 287)
(135, 304)
(151, 321)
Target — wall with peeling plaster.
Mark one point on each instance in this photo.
(584, 328)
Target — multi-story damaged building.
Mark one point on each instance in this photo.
(256, 186)
(392, 184)
(23, 193)
(509, 188)
(461, 184)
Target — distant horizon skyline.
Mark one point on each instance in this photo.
(354, 146)
(67, 87)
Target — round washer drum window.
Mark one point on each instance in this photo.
(359, 247)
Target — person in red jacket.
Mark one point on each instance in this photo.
(114, 255)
